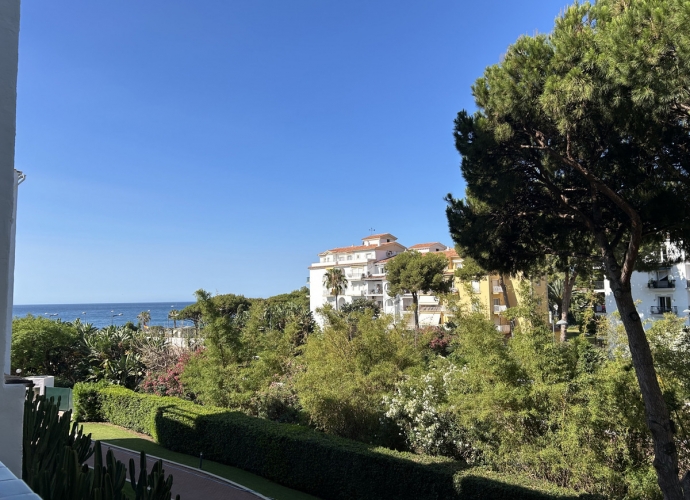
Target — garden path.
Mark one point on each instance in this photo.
(188, 482)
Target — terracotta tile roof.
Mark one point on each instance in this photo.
(360, 248)
(451, 254)
(385, 260)
(378, 236)
(427, 245)
(350, 249)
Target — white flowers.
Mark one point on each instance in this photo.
(420, 408)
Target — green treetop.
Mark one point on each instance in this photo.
(412, 272)
(581, 148)
(334, 280)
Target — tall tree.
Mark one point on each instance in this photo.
(144, 317)
(336, 282)
(173, 315)
(581, 147)
(412, 272)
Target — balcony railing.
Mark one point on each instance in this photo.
(499, 309)
(661, 284)
(503, 328)
(599, 308)
(664, 309)
(497, 289)
(598, 285)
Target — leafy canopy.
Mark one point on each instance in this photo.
(581, 139)
(413, 272)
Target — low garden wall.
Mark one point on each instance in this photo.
(298, 457)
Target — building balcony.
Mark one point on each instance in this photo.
(663, 284)
(503, 328)
(598, 285)
(497, 289)
(663, 309)
(355, 276)
(499, 309)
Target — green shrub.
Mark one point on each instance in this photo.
(326, 466)
(87, 401)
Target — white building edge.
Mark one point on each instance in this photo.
(11, 396)
(666, 289)
(364, 267)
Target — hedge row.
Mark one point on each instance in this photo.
(323, 465)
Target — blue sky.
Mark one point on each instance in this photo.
(176, 145)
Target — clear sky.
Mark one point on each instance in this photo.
(176, 145)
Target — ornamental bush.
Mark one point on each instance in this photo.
(298, 457)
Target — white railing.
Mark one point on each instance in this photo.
(503, 328)
(497, 289)
(499, 309)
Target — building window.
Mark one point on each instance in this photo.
(349, 257)
(475, 286)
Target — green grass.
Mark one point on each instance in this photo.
(139, 442)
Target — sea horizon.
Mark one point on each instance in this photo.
(102, 314)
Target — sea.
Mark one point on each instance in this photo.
(102, 315)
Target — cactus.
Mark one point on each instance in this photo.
(53, 464)
(152, 486)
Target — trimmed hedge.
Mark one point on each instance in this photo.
(298, 457)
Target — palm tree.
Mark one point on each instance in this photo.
(336, 282)
(144, 317)
(173, 316)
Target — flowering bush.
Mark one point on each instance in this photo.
(167, 383)
(420, 408)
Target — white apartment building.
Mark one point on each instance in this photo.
(364, 267)
(666, 289)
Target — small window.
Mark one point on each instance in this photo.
(349, 257)
(475, 286)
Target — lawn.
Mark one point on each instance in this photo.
(140, 442)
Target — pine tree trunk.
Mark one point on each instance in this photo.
(415, 306)
(506, 301)
(568, 284)
(656, 411)
(504, 288)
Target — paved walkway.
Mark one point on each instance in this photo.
(188, 482)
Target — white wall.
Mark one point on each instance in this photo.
(648, 297)
(11, 396)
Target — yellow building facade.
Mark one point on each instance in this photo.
(488, 294)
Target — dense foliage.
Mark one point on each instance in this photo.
(566, 413)
(326, 466)
(580, 148)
